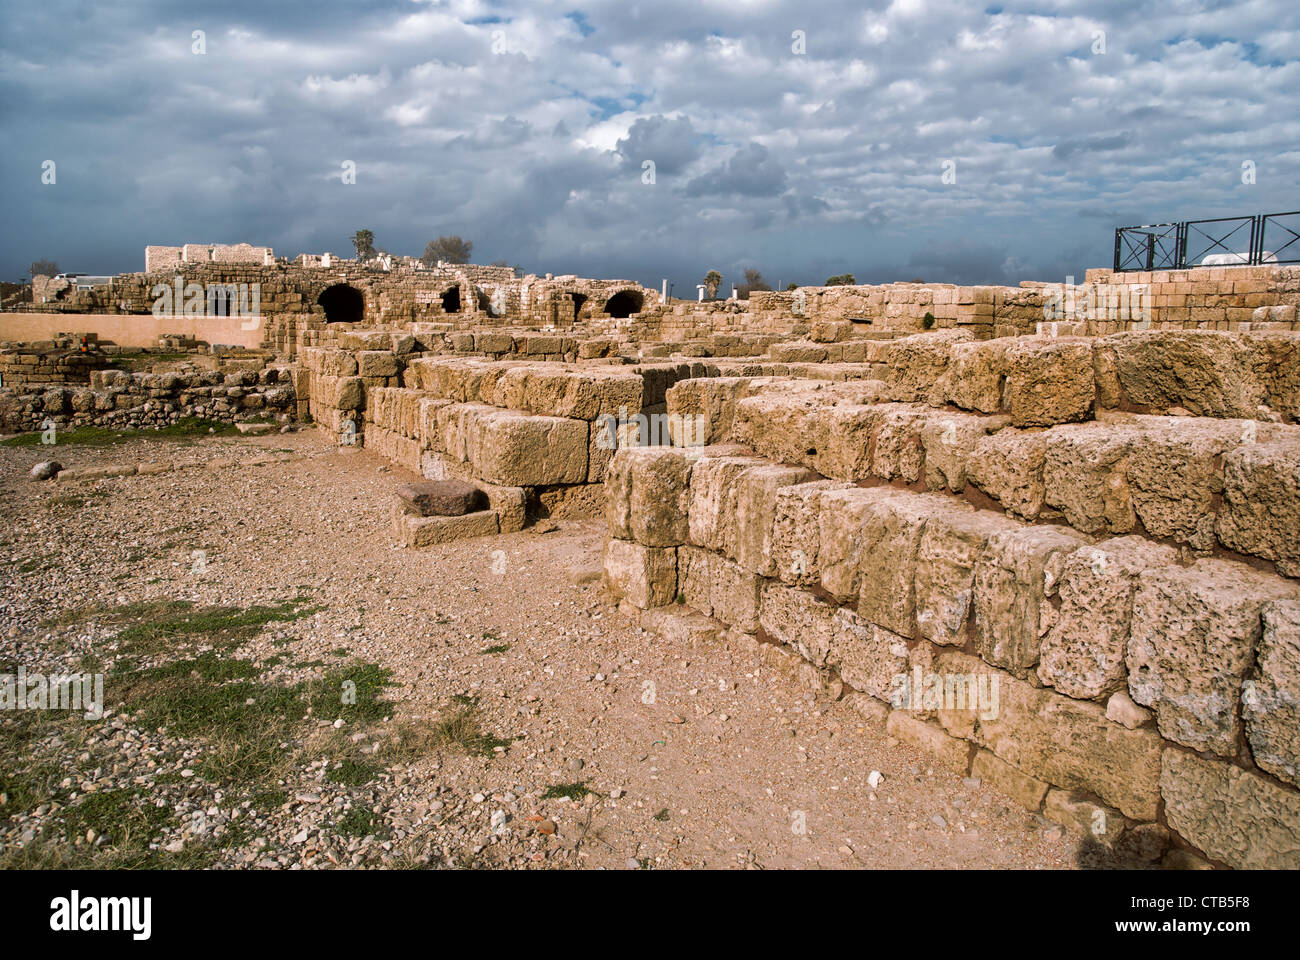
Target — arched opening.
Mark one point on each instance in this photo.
(623, 304)
(578, 300)
(451, 299)
(342, 304)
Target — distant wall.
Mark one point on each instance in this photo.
(131, 330)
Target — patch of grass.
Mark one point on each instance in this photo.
(351, 772)
(662, 815)
(352, 692)
(461, 730)
(567, 791)
(495, 648)
(119, 815)
(358, 822)
(162, 626)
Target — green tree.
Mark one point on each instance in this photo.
(452, 249)
(712, 280)
(43, 268)
(364, 241)
(841, 280)
(791, 286)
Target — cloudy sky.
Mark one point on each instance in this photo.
(804, 139)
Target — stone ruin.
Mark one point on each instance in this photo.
(1060, 555)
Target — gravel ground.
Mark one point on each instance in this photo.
(733, 765)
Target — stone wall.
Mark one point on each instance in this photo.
(119, 399)
(1095, 610)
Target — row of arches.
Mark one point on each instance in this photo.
(344, 303)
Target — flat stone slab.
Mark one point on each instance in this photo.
(255, 429)
(426, 531)
(441, 498)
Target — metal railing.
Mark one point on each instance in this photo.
(1223, 241)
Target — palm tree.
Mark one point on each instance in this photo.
(712, 280)
(364, 241)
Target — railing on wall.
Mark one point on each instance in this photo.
(1223, 241)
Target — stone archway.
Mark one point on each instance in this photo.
(342, 303)
(624, 304)
(451, 299)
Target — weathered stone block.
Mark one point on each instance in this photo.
(440, 498)
(521, 450)
(713, 500)
(948, 751)
(1260, 515)
(1271, 698)
(645, 576)
(1015, 578)
(1023, 789)
(1008, 466)
(756, 490)
(1193, 640)
(795, 532)
(1085, 476)
(648, 495)
(950, 546)
(1234, 816)
(1067, 743)
(1083, 653)
(417, 531)
(1049, 381)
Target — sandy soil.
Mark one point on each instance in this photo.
(732, 765)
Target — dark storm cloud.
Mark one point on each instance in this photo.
(524, 126)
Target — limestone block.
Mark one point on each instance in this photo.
(440, 498)
(377, 363)
(1260, 514)
(645, 576)
(521, 450)
(1008, 466)
(950, 547)
(932, 740)
(1064, 742)
(416, 531)
(1049, 381)
(1175, 475)
(795, 532)
(1204, 371)
(1193, 640)
(899, 452)
(509, 504)
(756, 490)
(798, 620)
(1023, 789)
(648, 495)
(1234, 816)
(949, 441)
(1270, 701)
(718, 587)
(1103, 824)
(1083, 654)
(1085, 476)
(976, 375)
(1015, 579)
(713, 500)
(869, 657)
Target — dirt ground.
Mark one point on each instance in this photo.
(543, 752)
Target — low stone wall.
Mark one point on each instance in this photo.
(147, 400)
